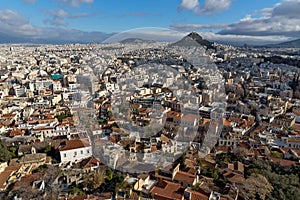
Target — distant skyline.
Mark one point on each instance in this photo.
(254, 21)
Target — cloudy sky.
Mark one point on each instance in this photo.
(255, 21)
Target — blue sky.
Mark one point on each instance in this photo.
(255, 19)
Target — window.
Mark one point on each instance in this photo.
(81, 151)
(75, 153)
(65, 155)
(88, 151)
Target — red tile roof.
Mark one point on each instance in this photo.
(27, 181)
(4, 176)
(184, 177)
(167, 190)
(233, 176)
(90, 162)
(190, 162)
(16, 132)
(71, 144)
(194, 195)
(284, 162)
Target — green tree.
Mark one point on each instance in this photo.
(93, 180)
(77, 191)
(48, 149)
(211, 173)
(5, 155)
(13, 152)
(64, 115)
(254, 187)
(109, 174)
(284, 180)
(276, 154)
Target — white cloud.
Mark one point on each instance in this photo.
(57, 13)
(56, 22)
(13, 25)
(282, 19)
(161, 34)
(76, 3)
(246, 18)
(244, 39)
(213, 6)
(228, 38)
(59, 16)
(194, 27)
(189, 4)
(206, 8)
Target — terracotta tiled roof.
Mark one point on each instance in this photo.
(284, 162)
(223, 148)
(271, 124)
(8, 115)
(71, 144)
(184, 177)
(194, 195)
(296, 112)
(7, 122)
(13, 168)
(167, 190)
(226, 122)
(16, 132)
(259, 129)
(190, 163)
(296, 127)
(233, 176)
(90, 162)
(294, 139)
(191, 170)
(153, 148)
(172, 114)
(27, 181)
(235, 119)
(4, 176)
(164, 138)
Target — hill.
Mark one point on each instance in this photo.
(288, 44)
(194, 39)
(135, 41)
(62, 38)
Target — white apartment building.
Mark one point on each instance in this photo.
(74, 150)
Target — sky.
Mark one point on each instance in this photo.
(255, 21)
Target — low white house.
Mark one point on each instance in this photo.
(74, 150)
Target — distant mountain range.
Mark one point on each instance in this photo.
(135, 41)
(194, 39)
(62, 36)
(4, 38)
(289, 44)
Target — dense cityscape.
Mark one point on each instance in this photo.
(141, 119)
(149, 100)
